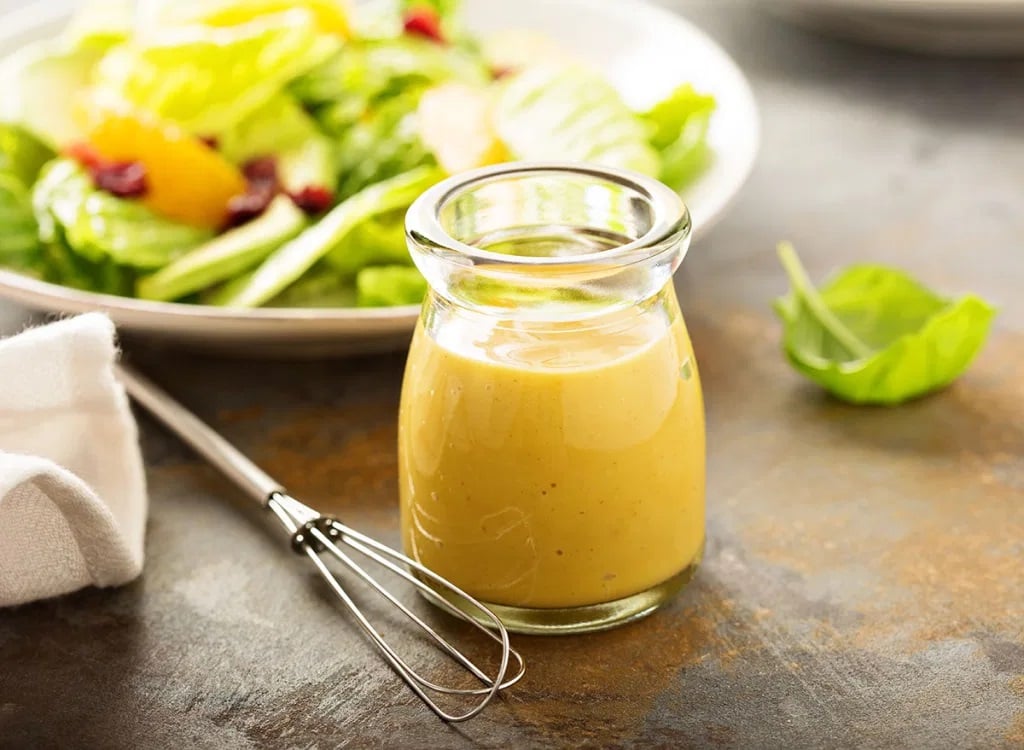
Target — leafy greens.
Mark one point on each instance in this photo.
(264, 152)
(874, 335)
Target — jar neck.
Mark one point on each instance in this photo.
(547, 242)
(443, 312)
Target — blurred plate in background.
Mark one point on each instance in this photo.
(947, 27)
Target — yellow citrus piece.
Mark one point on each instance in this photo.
(186, 179)
(454, 121)
(330, 16)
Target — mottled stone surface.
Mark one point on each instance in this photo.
(863, 585)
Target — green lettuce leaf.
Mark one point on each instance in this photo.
(366, 96)
(365, 73)
(569, 113)
(679, 127)
(389, 286)
(320, 287)
(100, 227)
(384, 144)
(310, 164)
(22, 154)
(873, 335)
(293, 259)
(279, 124)
(378, 241)
(62, 265)
(210, 79)
(19, 240)
(283, 129)
(226, 255)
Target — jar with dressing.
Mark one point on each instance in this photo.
(551, 430)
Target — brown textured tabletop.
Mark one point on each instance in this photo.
(864, 578)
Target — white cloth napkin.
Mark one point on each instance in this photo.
(72, 484)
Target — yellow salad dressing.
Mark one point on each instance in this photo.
(553, 470)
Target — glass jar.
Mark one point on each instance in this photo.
(551, 430)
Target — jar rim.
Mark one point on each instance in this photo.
(671, 216)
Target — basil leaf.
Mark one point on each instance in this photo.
(874, 335)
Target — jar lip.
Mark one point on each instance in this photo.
(423, 223)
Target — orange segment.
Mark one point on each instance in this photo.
(330, 16)
(187, 180)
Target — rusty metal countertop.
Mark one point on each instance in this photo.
(864, 578)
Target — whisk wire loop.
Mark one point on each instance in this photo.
(314, 534)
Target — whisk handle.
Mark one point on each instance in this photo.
(218, 451)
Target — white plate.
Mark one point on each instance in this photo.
(644, 50)
(949, 27)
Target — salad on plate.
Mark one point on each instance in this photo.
(249, 153)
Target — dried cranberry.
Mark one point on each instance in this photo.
(261, 187)
(423, 21)
(261, 171)
(249, 205)
(125, 179)
(313, 199)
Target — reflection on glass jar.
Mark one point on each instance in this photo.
(551, 434)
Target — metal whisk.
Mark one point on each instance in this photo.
(316, 535)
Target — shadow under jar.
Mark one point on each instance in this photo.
(551, 430)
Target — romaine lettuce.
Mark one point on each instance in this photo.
(281, 128)
(571, 113)
(210, 79)
(100, 227)
(364, 73)
(321, 286)
(227, 255)
(293, 259)
(61, 265)
(22, 154)
(19, 240)
(377, 241)
(679, 126)
(383, 144)
(277, 125)
(387, 286)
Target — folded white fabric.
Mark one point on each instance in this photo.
(72, 484)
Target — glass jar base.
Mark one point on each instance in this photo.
(586, 619)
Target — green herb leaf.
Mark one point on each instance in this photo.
(874, 335)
